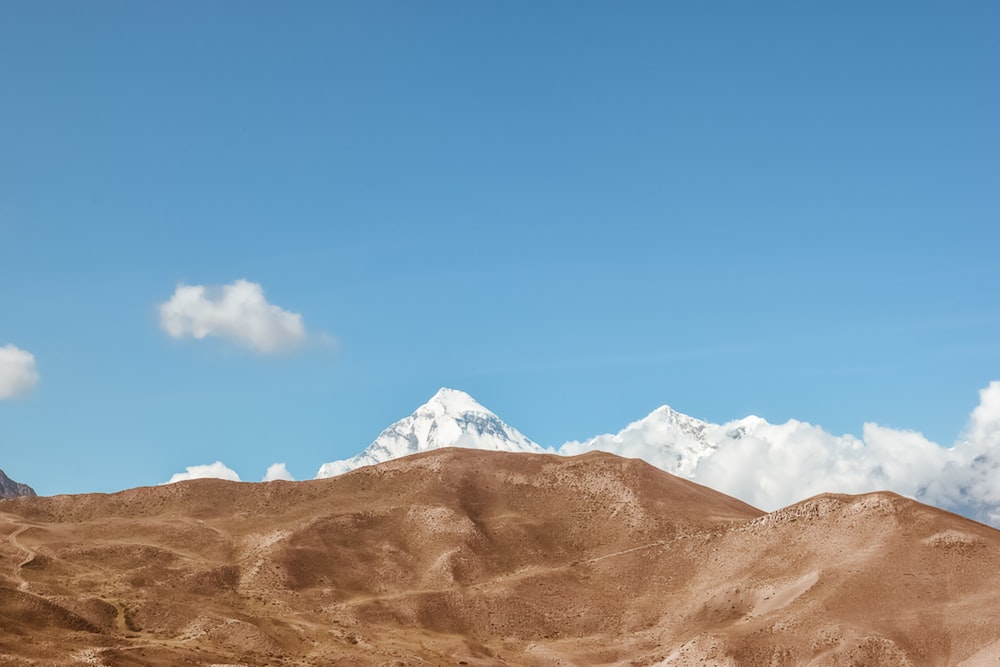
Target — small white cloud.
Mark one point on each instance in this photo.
(18, 375)
(217, 470)
(237, 312)
(277, 471)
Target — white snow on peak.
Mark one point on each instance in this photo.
(767, 465)
(746, 426)
(452, 402)
(666, 438)
(451, 418)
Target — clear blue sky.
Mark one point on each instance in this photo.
(575, 211)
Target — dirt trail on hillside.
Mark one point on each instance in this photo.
(491, 558)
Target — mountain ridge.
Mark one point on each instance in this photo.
(491, 558)
(451, 418)
(767, 465)
(11, 489)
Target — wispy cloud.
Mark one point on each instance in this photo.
(18, 374)
(237, 312)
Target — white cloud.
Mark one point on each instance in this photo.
(237, 312)
(778, 464)
(217, 470)
(18, 375)
(974, 477)
(774, 465)
(984, 424)
(277, 471)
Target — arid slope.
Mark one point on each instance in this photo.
(481, 558)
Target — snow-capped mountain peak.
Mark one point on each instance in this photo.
(669, 439)
(452, 402)
(685, 424)
(451, 418)
(675, 441)
(761, 463)
(745, 426)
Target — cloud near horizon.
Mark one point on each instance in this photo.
(277, 471)
(217, 470)
(18, 374)
(237, 312)
(774, 465)
(779, 464)
(220, 470)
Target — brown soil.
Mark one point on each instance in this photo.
(489, 558)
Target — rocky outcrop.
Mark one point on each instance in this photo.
(11, 489)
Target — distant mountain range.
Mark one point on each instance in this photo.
(767, 465)
(11, 489)
(670, 440)
(451, 418)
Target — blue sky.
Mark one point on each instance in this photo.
(576, 212)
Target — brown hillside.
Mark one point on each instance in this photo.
(482, 558)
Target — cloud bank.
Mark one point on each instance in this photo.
(774, 465)
(18, 374)
(237, 312)
(217, 470)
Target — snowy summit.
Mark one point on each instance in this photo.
(668, 439)
(451, 418)
(766, 465)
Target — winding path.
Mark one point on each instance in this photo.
(29, 555)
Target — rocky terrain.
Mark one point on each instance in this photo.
(467, 557)
(11, 489)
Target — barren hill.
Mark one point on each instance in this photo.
(483, 558)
